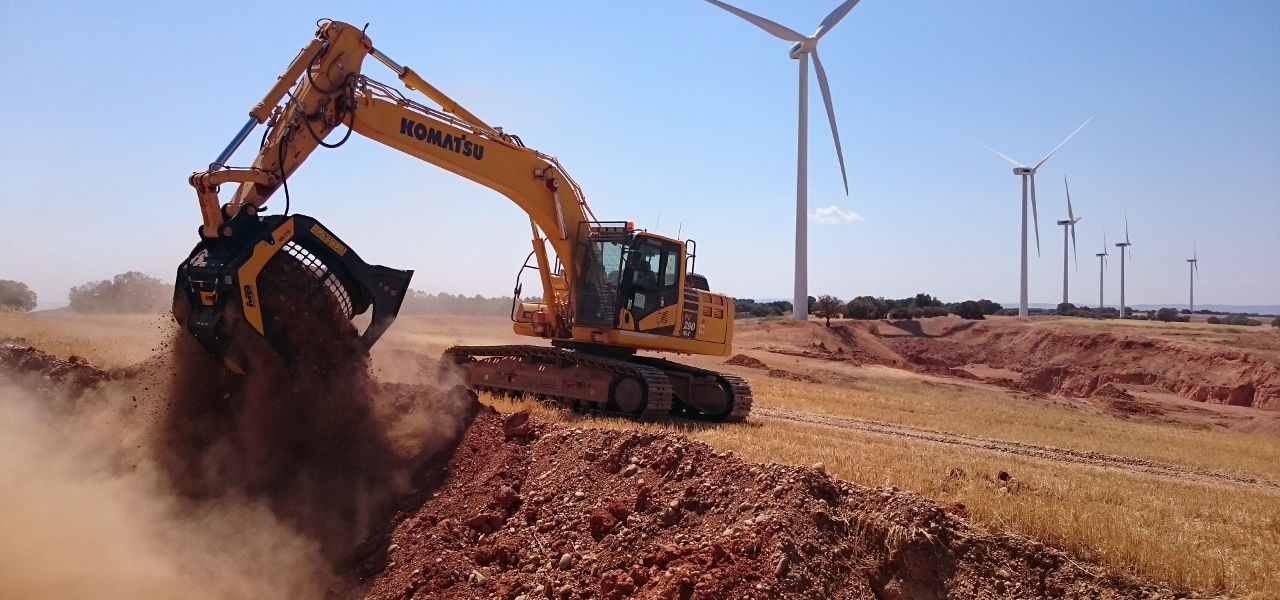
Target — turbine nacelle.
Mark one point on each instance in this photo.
(1024, 171)
(799, 49)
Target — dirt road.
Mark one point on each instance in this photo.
(1034, 451)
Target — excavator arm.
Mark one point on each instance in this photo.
(324, 90)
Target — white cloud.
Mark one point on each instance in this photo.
(833, 215)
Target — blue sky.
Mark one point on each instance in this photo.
(682, 118)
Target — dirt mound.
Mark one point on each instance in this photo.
(525, 509)
(74, 372)
(304, 435)
(1059, 361)
(847, 341)
(743, 360)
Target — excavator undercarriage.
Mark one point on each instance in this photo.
(635, 387)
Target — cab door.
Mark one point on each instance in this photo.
(650, 286)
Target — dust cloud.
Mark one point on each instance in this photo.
(89, 514)
(175, 478)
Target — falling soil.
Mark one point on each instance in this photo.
(527, 509)
(305, 434)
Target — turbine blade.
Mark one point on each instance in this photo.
(1035, 215)
(1195, 266)
(1055, 148)
(761, 22)
(1011, 161)
(834, 18)
(831, 112)
(1071, 215)
(1126, 229)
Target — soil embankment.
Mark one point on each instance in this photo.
(1041, 358)
(526, 509)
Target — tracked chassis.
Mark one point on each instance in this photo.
(635, 387)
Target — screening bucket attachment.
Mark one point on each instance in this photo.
(222, 273)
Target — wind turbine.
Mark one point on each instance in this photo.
(803, 47)
(1102, 268)
(1122, 246)
(1069, 223)
(1028, 175)
(1194, 265)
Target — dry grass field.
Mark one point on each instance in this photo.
(1215, 530)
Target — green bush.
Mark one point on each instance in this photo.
(968, 310)
(864, 307)
(1170, 314)
(1235, 319)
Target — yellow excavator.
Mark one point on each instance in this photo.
(609, 289)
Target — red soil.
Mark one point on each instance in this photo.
(526, 509)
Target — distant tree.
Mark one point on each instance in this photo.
(130, 292)
(900, 312)
(968, 310)
(863, 307)
(989, 307)
(747, 307)
(1167, 314)
(1066, 308)
(1275, 322)
(923, 300)
(1214, 321)
(828, 306)
(15, 295)
(812, 300)
(418, 302)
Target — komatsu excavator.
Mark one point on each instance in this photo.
(609, 289)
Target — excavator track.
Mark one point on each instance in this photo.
(581, 380)
(737, 387)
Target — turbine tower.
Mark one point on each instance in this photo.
(1122, 246)
(1069, 223)
(804, 47)
(1194, 264)
(1028, 175)
(1102, 269)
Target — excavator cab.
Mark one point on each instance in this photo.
(627, 276)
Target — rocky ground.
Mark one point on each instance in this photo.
(524, 509)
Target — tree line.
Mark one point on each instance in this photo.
(135, 292)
